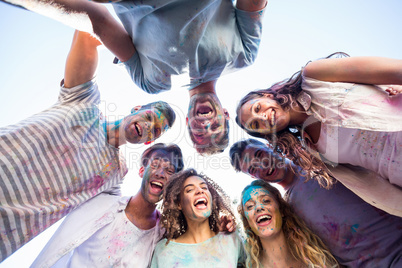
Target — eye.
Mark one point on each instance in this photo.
(248, 207)
(266, 201)
(170, 171)
(257, 108)
(189, 190)
(148, 116)
(204, 188)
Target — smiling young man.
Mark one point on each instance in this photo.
(356, 233)
(52, 162)
(113, 231)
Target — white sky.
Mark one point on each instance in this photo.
(33, 50)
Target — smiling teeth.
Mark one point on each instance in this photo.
(157, 183)
(270, 171)
(263, 217)
(200, 200)
(272, 118)
(138, 129)
(205, 115)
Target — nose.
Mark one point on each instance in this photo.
(205, 124)
(160, 173)
(199, 190)
(259, 207)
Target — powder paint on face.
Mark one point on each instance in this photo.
(256, 197)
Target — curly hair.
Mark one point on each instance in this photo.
(304, 245)
(173, 220)
(289, 141)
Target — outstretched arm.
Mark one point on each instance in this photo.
(362, 70)
(82, 60)
(85, 16)
(251, 5)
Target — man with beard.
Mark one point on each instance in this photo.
(165, 38)
(54, 161)
(356, 233)
(113, 231)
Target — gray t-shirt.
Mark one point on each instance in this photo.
(202, 38)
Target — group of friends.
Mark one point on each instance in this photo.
(333, 141)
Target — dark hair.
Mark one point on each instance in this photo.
(173, 220)
(289, 141)
(213, 147)
(237, 149)
(164, 108)
(171, 148)
(304, 245)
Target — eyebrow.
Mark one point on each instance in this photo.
(188, 185)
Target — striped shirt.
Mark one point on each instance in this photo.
(51, 163)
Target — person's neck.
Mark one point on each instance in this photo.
(207, 87)
(297, 115)
(288, 181)
(196, 232)
(141, 213)
(113, 133)
(276, 253)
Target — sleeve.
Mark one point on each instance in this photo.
(84, 93)
(249, 25)
(156, 253)
(153, 81)
(370, 187)
(241, 251)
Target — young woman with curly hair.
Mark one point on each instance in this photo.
(191, 215)
(275, 236)
(331, 113)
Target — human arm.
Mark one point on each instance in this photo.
(370, 187)
(251, 5)
(82, 60)
(362, 70)
(88, 17)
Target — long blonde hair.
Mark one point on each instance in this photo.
(304, 245)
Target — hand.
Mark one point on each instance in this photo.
(392, 90)
(227, 224)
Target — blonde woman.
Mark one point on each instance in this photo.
(275, 236)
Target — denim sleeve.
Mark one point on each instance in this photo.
(146, 75)
(249, 25)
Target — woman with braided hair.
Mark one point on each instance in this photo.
(275, 236)
(191, 214)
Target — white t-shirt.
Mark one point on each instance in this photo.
(222, 250)
(118, 244)
(377, 151)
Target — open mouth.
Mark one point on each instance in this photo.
(201, 203)
(156, 185)
(204, 111)
(272, 118)
(270, 171)
(263, 219)
(138, 129)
